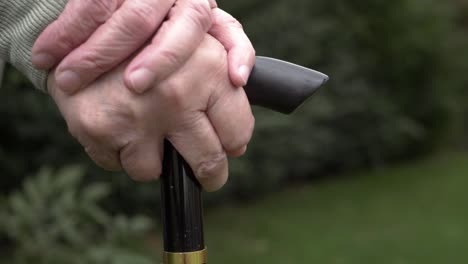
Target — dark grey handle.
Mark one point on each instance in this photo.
(281, 86)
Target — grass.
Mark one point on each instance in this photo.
(416, 213)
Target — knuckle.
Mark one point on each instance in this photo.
(174, 93)
(213, 55)
(92, 123)
(210, 166)
(217, 64)
(199, 12)
(252, 50)
(99, 11)
(137, 168)
(103, 159)
(63, 38)
(243, 137)
(170, 58)
(247, 134)
(145, 173)
(74, 130)
(103, 8)
(247, 48)
(95, 61)
(213, 4)
(141, 17)
(218, 54)
(234, 23)
(87, 15)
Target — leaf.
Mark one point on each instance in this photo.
(140, 224)
(68, 177)
(19, 205)
(43, 181)
(97, 214)
(33, 194)
(96, 192)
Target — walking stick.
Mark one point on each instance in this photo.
(273, 84)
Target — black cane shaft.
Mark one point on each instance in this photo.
(182, 211)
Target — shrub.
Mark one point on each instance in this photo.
(53, 219)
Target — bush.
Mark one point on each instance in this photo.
(55, 220)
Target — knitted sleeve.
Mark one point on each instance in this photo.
(21, 23)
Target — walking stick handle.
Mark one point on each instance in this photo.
(274, 84)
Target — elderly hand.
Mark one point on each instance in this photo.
(197, 109)
(92, 37)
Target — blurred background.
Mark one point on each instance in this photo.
(372, 170)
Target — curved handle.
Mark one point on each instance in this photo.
(282, 86)
(274, 84)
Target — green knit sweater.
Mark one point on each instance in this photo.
(21, 22)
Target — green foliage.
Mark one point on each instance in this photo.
(52, 219)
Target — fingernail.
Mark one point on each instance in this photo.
(140, 80)
(68, 81)
(43, 61)
(244, 73)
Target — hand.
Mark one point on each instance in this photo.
(92, 37)
(197, 109)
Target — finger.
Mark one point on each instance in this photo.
(201, 148)
(100, 145)
(142, 160)
(241, 53)
(232, 118)
(237, 153)
(74, 26)
(177, 39)
(213, 4)
(123, 33)
(100, 150)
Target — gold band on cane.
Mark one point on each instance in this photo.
(197, 257)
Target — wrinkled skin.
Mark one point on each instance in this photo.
(91, 37)
(197, 109)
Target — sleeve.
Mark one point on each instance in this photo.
(21, 22)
